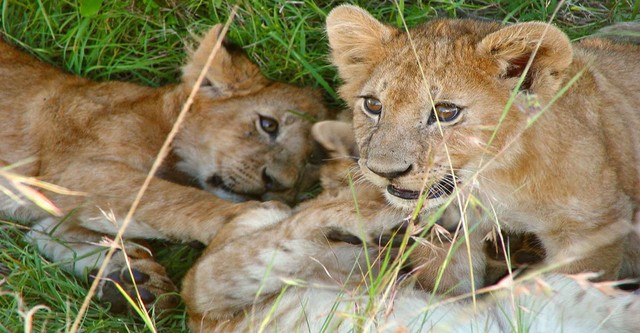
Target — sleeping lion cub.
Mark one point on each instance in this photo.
(246, 137)
(320, 269)
(544, 133)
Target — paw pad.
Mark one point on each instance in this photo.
(154, 288)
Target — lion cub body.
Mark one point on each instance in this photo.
(244, 138)
(545, 133)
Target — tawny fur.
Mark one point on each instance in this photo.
(289, 273)
(305, 245)
(102, 138)
(564, 165)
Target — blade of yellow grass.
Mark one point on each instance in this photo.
(38, 198)
(24, 186)
(137, 306)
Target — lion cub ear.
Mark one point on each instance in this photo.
(356, 39)
(336, 137)
(231, 72)
(513, 46)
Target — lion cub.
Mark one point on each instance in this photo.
(246, 137)
(319, 269)
(544, 133)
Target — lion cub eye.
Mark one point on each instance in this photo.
(445, 112)
(268, 125)
(373, 106)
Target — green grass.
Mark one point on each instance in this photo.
(142, 41)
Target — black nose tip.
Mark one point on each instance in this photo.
(271, 184)
(392, 173)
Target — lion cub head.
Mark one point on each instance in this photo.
(246, 137)
(432, 106)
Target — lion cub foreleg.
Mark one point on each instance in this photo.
(83, 251)
(166, 210)
(597, 249)
(245, 268)
(449, 258)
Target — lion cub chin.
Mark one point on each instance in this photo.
(245, 137)
(545, 133)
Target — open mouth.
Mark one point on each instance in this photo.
(444, 187)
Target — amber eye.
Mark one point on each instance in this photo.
(373, 106)
(269, 125)
(445, 112)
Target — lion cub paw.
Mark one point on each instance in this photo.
(153, 285)
(261, 215)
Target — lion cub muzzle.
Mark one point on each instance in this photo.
(269, 184)
(391, 180)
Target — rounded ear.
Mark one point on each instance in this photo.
(231, 72)
(356, 39)
(513, 46)
(336, 137)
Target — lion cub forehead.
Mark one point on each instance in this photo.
(439, 38)
(417, 81)
(469, 31)
(285, 99)
(430, 57)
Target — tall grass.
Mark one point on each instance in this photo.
(143, 41)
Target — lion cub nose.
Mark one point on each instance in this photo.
(271, 184)
(390, 172)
